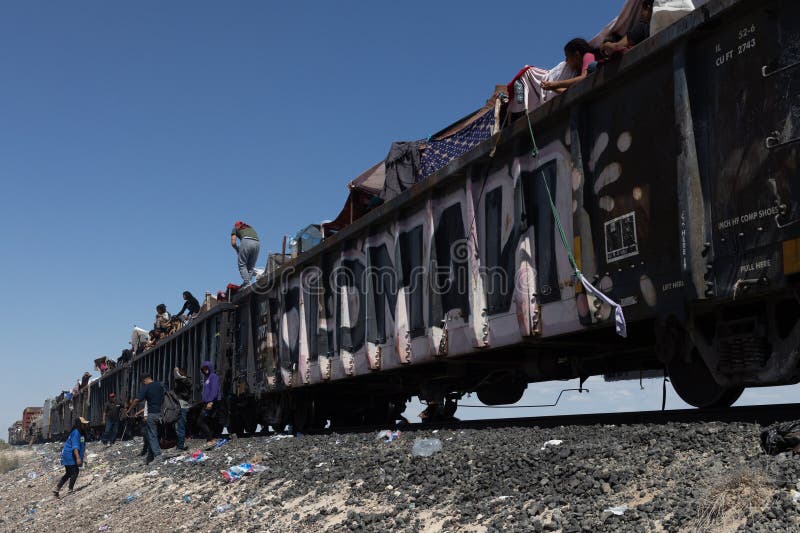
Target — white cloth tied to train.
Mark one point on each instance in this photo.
(619, 316)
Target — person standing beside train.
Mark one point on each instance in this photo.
(212, 393)
(151, 392)
(246, 250)
(111, 412)
(183, 390)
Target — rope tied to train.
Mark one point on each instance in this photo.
(619, 316)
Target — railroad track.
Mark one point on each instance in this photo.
(752, 414)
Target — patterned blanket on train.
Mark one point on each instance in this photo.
(440, 150)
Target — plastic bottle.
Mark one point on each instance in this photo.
(426, 447)
(187, 498)
(130, 497)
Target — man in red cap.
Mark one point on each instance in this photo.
(246, 250)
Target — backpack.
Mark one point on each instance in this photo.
(170, 408)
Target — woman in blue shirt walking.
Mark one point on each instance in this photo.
(72, 454)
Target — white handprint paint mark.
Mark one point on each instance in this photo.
(609, 175)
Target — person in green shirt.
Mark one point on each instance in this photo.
(246, 250)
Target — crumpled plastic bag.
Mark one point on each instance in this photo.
(220, 443)
(388, 435)
(197, 457)
(552, 443)
(235, 473)
(619, 510)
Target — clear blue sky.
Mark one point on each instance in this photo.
(132, 136)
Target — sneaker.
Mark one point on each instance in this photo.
(149, 459)
(56, 494)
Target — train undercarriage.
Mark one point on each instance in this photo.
(724, 349)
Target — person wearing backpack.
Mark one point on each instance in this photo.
(183, 390)
(151, 392)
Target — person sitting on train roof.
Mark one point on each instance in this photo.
(84, 382)
(190, 304)
(580, 57)
(246, 250)
(638, 33)
(161, 324)
(153, 338)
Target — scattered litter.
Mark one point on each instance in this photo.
(152, 473)
(228, 459)
(175, 460)
(412, 506)
(619, 510)
(552, 443)
(31, 475)
(235, 473)
(220, 443)
(32, 510)
(187, 498)
(426, 447)
(222, 508)
(130, 497)
(92, 455)
(388, 435)
(197, 457)
(279, 437)
(795, 496)
(104, 527)
(259, 468)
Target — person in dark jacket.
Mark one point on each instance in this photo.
(151, 392)
(111, 412)
(72, 454)
(183, 390)
(190, 304)
(212, 394)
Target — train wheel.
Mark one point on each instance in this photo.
(507, 392)
(696, 386)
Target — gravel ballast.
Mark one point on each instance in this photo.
(674, 477)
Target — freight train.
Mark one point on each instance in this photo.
(668, 181)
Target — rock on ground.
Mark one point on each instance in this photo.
(676, 477)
